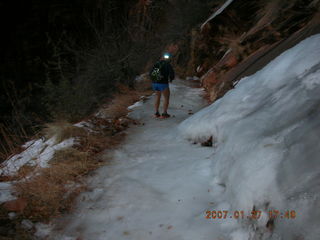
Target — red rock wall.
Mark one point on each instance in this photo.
(245, 37)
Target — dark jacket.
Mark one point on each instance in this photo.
(166, 71)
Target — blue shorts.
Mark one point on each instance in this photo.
(159, 86)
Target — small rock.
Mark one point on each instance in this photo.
(208, 143)
(124, 122)
(17, 205)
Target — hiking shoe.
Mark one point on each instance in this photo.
(156, 115)
(165, 115)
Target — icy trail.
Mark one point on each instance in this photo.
(156, 186)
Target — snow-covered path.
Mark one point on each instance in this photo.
(156, 186)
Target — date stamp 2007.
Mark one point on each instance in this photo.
(273, 214)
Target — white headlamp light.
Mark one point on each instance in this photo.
(166, 56)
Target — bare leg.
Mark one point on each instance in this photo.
(157, 101)
(166, 94)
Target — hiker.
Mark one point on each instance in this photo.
(161, 73)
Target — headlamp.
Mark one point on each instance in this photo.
(166, 56)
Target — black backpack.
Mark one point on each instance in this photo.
(156, 75)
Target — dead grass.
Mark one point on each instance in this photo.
(94, 144)
(25, 171)
(69, 156)
(47, 193)
(119, 106)
(63, 130)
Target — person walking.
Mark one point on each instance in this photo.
(161, 73)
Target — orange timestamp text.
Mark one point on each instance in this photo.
(225, 214)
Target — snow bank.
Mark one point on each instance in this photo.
(268, 148)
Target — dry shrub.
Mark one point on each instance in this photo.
(63, 130)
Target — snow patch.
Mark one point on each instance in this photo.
(5, 192)
(42, 230)
(135, 105)
(86, 125)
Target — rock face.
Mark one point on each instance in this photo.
(245, 36)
